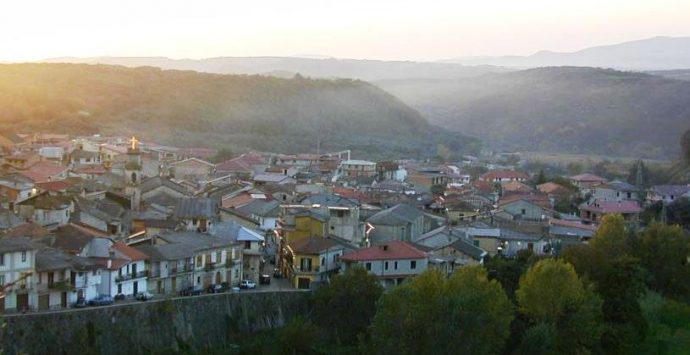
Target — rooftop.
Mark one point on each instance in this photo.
(389, 251)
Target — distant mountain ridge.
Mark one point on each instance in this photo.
(240, 112)
(368, 70)
(657, 53)
(560, 109)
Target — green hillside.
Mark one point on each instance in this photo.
(187, 108)
(559, 109)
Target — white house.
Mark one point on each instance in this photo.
(17, 269)
(391, 263)
(125, 271)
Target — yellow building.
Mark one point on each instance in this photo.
(311, 260)
(298, 226)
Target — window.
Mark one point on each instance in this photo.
(385, 265)
(247, 244)
(368, 266)
(119, 288)
(93, 273)
(395, 265)
(323, 261)
(2, 259)
(413, 264)
(24, 256)
(2, 280)
(523, 211)
(476, 243)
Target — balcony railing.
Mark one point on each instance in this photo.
(130, 276)
(179, 270)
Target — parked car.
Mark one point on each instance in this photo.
(101, 300)
(119, 297)
(215, 288)
(265, 279)
(247, 284)
(81, 303)
(144, 296)
(191, 291)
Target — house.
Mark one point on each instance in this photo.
(616, 191)
(162, 191)
(21, 161)
(500, 176)
(344, 215)
(124, 271)
(196, 214)
(62, 278)
(245, 165)
(104, 215)
(9, 221)
(264, 213)
(523, 210)
(424, 178)
(17, 272)
(595, 210)
(88, 172)
(568, 232)
(357, 168)
(448, 249)
(587, 182)
(504, 241)
(392, 262)
(400, 222)
(252, 243)
(312, 260)
(10, 141)
(55, 154)
(192, 168)
(667, 193)
(16, 189)
(459, 210)
(182, 259)
(515, 186)
(47, 210)
(267, 178)
(45, 171)
(80, 157)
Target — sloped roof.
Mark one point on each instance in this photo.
(261, 208)
(236, 232)
(8, 245)
(603, 206)
(587, 177)
(158, 181)
(618, 185)
(196, 208)
(396, 215)
(130, 252)
(388, 251)
(31, 230)
(329, 200)
(469, 249)
(43, 171)
(313, 245)
(49, 259)
(515, 186)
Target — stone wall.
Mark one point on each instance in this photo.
(189, 324)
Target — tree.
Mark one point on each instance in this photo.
(346, 306)
(678, 212)
(663, 251)
(618, 279)
(299, 336)
(685, 146)
(557, 304)
(465, 314)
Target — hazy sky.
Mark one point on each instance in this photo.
(377, 29)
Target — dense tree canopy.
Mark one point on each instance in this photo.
(465, 314)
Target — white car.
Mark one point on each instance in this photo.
(247, 284)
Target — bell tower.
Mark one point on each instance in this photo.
(133, 174)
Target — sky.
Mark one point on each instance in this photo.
(421, 30)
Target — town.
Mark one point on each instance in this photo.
(95, 220)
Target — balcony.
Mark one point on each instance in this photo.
(179, 270)
(131, 276)
(62, 285)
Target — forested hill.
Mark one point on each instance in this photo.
(236, 111)
(562, 109)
